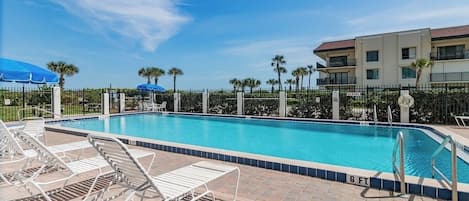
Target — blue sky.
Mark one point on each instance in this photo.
(211, 40)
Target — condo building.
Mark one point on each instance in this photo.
(385, 59)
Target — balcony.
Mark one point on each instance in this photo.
(458, 55)
(336, 81)
(343, 63)
(450, 77)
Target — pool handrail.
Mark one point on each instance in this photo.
(454, 170)
(399, 172)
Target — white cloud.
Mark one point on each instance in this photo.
(417, 14)
(150, 22)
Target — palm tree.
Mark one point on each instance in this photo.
(272, 82)
(146, 73)
(156, 73)
(63, 69)
(419, 65)
(290, 82)
(251, 83)
(297, 74)
(303, 71)
(277, 63)
(236, 83)
(311, 70)
(175, 72)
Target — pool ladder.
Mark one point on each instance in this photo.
(454, 169)
(399, 172)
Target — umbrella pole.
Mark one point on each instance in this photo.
(24, 103)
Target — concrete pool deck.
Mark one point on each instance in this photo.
(255, 183)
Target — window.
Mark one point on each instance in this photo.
(451, 52)
(372, 74)
(408, 73)
(339, 78)
(372, 56)
(408, 53)
(338, 61)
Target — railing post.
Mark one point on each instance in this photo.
(240, 103)
(335, 105)
(121, 102)
(282, 108)
(177, 102)
(205, 99)
(105, 103)
(56, 104)
(454, 171)
(401, 165)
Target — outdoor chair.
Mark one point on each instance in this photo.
(174, 185)
(460, 121)
(161, 107)
(69, 169)
(35, 126)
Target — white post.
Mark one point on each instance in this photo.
(282, 108)
(240, 103)
(404, 110)
(56, 104)
(335, 105)
(177, 101)
(205, 98)
(121, 102)
(105, 103)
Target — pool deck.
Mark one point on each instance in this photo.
(255, 183)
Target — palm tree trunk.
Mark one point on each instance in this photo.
(302, 82)
(174, 84)
(61, 81)
(148, 80)
(156, 80)
(289, 88)
(250, 90)
(309, 81)
(272, 90)
(297, 84)
(279, 81)
(417, 79)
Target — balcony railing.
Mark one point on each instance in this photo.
(457, 55)
(332, 81)
(348, 62)
(449, 77)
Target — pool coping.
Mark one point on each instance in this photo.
(374, 179)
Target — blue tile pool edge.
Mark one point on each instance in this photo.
(321, 173)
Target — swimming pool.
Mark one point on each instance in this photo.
(365, 147)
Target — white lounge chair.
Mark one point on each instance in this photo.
(460, 121)
(35, 126)
(11, 152)
(73, 168)
(161, 107)
(173, 185)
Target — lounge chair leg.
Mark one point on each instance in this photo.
(131, 196)
(41, 191)
(92, 185)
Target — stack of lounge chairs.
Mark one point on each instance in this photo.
(113, 157)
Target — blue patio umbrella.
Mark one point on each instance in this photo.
(21, 72)
(150, 88)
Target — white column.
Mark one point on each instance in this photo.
(121, 102)
(240, 103)
(56, 104)
(282, 108)
(105, 104)
(404, 110)
(205, 98)
(335, 105)
(177, 102)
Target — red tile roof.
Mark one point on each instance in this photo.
(450, 32)
(336, 45)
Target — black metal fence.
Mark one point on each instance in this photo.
(312, 104)
(221, 102)
(81, 101)
(191, 101)
(15, 100)
(261, 103)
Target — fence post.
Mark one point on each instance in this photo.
(105, 103)
(335, 105)
(404, 118)
(282, 108)
(121, 102)
(205, 96)
(177, 101)
(240, 103)
(56, 104)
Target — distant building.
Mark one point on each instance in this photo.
(384, 59)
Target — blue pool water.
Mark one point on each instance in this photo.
(365, 147)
